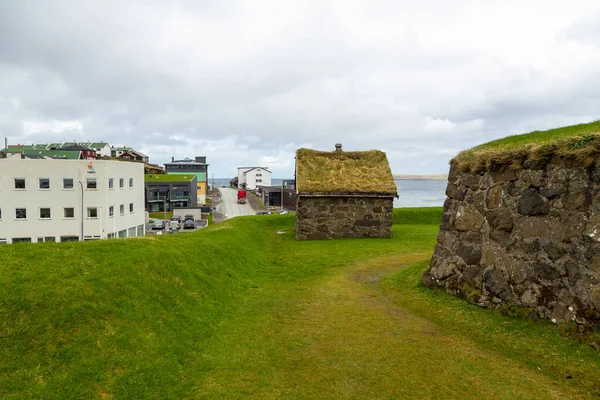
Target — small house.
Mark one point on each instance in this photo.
(343, 194)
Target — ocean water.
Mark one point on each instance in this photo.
(413, 193)
(420, 193)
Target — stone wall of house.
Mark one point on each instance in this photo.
(528, 237)
(343, 217)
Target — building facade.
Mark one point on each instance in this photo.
(165, 192)
(251, 178)
(65, 200)
(198, 167)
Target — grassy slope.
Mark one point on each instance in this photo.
(214, 315)
(578, 141)
(541, 137)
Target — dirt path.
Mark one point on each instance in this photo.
(346, 339)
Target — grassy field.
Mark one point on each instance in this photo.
(242, 310)
(577, 141)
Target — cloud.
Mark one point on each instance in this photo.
(247, 83)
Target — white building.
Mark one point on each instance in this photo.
(65, 200)
(252, 177)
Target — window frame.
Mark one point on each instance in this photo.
(40, 184)
(72, 184)
(17, 213)
(111, 183)
(65, 211)
(90, 180)
(24, 184)
(49, 213)
(87, 213)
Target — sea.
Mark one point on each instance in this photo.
(413, 193)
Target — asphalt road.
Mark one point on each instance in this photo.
(229, 207)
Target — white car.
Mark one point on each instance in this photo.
(173, 224)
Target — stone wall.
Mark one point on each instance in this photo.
(528, 237)
(343, 217)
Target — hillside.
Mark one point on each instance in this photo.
(580, 142)
(242, 310)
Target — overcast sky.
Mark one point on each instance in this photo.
(249, 82)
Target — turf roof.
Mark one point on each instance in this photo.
(356, 172)
(580, 143)
(168, 178)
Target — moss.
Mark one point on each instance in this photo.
(344, 172)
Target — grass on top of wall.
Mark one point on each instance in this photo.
(242, 310)
(579, 143)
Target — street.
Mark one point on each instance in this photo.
(229, 207)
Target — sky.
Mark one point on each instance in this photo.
(247, 83)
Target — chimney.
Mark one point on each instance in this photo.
(338, 147)
(6, 143)
(172, 159)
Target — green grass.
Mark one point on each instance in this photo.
(161, 215)
(242, 310)
(579, 142)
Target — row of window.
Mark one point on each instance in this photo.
(68, 183)
(68, 212)
(131, 232)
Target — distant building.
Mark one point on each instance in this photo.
(58, 200)
(343, 194)
(165, 192)
(197, 166)
(272, 196)
(251, 178)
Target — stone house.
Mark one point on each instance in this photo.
(343, 194)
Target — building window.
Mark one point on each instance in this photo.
(122, 209)
(20, 213)
(21, 240)
(131, 232)
(69, 238)
(111, 211)
(259, 181)
(45, 213)
(20, 183)
(130, 207)
(67, 183)
(91, 183)
(69, 212)
(123, 234)
(121, 183)
(44, 183)
(110, 183)
(92, 212)
(0, 214)
(130, 182)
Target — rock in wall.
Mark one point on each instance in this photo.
(528, 237)
(343, 217)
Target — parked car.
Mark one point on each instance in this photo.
(189, 224)
(173, 224)
(176, 218)
(188, 216)
(158, 225)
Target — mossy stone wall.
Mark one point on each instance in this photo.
(343, 217)
(529, 237)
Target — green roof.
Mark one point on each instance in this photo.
(168, 178)
(356, 172)
(580, 142)
(66, 154)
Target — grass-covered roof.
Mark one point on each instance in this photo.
(168, 178)
(357, 172)
(579, 142)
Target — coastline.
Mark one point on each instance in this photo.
(430, 177)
